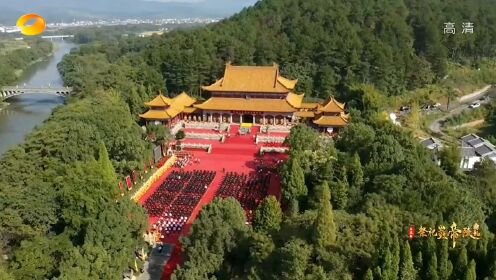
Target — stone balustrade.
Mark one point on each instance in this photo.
(199, 146)
(273, 150)
(269, 139)
(206, 136)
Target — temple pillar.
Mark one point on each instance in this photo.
(253, 121)
(240, 118)
(263, 119)
(230, 118)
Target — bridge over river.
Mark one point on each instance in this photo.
(9, 91)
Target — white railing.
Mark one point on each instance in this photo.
(278, 128)
(273, 150)
(199, 146)
(269, 139)
(201, 125)
(206, 136)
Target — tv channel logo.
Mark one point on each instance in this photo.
(37, 27)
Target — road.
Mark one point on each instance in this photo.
(436, 126)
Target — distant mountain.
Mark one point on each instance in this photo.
(63, 10)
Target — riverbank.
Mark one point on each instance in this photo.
(20, 72)
(22, 113)
(15, 62)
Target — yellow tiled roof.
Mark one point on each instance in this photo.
(174, 110)
(331, 106)
(159, 101)
(252, 79)
(250, 105)
(305, 114)
(294, 99)
(155, 115)
(309, 105)
(289, 84)
(176, 106)
(189, 109)
(340, 120)
(183, 99)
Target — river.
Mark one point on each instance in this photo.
(29, 110)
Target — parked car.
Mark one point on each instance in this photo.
(475, 105)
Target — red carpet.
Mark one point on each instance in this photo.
(237, 154)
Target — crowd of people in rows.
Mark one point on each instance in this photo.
(247, 189)
(268, 165)
(176, 197)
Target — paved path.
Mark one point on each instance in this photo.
(436, 126)
(155, 264)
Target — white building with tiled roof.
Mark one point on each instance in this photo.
(474, 149)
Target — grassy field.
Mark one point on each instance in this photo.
(8, 45)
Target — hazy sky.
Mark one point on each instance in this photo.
(184, 1)
(57, 10)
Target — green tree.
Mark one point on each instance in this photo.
(324, 232)
(368, 275)
(470, 273)
(321, 194)
(4, 274)
(268, 216)
(414, 117)
(293, 183)
(340, 193)
(213, 235)
(419, 262)
(407, 269)
(355, 172)
(371, 98)
(450, 160)
(445, 266)
(107, 169)
(316, 273)
(294, 257)
(461, 263)
(180, 135)
(431, 272)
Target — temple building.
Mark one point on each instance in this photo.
(249, 94)
(169, 110)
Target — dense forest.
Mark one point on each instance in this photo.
(19, 59)
(346, 205)
(327, 45)
(60, 216)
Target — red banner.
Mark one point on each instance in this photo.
(135, 177)
(128, 183)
